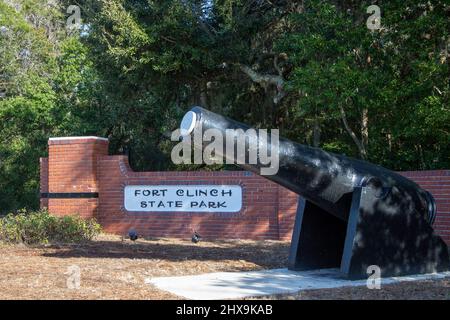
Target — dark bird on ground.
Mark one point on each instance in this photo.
(196, 237)
(133, 235)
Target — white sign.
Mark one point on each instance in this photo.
(183, 198)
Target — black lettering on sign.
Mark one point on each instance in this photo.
(182, 198)
(226, 192)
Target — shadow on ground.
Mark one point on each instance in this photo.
(267, 254)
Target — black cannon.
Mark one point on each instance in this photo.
(351, 214)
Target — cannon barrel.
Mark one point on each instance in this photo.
(351, 214)
(326, 179)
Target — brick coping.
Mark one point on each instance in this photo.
(78, 138)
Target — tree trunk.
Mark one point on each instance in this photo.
(316, 133)
(359, 144)
(204, 95)
(365, 129)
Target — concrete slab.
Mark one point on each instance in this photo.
(234, 285)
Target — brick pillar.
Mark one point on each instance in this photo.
(72, 175)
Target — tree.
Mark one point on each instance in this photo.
(310, 68)
(46, 86)
(372, 85)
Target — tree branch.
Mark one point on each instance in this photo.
(359, 144)
(264, 80)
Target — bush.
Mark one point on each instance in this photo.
(39, 227)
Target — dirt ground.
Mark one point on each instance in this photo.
(113, 268)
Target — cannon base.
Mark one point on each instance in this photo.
(379, 231)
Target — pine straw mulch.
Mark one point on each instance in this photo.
(416, 290)
(113, 268)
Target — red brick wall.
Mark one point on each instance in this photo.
(287, 209)
(438, 183)
(257, 219)
(268, 210)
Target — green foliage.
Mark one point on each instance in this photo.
(39, 227)
(395, 79)
(140, 64)
(46, 87)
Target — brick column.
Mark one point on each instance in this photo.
(72, 175)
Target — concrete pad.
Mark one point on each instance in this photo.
(233, 285)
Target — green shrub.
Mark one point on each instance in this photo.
(39, 227)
